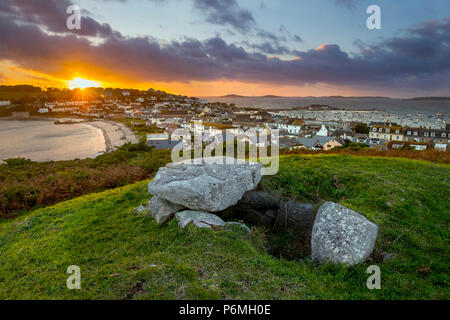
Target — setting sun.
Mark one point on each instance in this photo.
(80, 83)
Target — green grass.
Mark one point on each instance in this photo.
(125, 254)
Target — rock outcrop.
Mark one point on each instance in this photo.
(341, 235)
(205, 187)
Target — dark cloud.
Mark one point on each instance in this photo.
(417, 58)
(51, 15)
(220, 12)
(272, 43)
(268, 47)
(226, 12)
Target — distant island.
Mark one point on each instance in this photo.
(235, 96)
(430, 98)
(270, 96)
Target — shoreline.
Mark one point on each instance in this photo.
(115, 134)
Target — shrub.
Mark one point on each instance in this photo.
(25, 185)
(17, 162)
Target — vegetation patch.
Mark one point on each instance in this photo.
(124, 254)
(25, 185)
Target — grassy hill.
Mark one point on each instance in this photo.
(125, 255)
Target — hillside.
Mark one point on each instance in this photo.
(123, 254)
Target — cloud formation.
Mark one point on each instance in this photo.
(418, 58)
(226, 12)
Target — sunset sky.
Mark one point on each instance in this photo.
(217, 47)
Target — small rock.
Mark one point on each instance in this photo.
(162, 210)
(387, 257)
(199, 219)
(252, 216)
(271, 214)
(140, 209)
(232, 226)
(341, 235)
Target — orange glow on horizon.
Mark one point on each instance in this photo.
(80, 83)
(14, 75)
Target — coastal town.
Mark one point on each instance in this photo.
(314, 127)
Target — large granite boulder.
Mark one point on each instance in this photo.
(208, 187)
(199, 219)
(162, 210)
(341, 235)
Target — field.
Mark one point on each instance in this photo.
(125, 255)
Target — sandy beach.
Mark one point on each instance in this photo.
(115, 134)
(39, 139)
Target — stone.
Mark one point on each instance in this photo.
(298, 214)
(232, 226)
(140, 209)
(271, 214)
(387, 257)
(259, 200)
(341, 235)
(199, 219)
(205, 187)
(162, 210)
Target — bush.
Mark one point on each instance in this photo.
(17, 162)
(17, 197)
(25, 185)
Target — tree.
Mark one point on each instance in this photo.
(361, 128)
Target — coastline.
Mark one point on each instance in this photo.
(115, 134)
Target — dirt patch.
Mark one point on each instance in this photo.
(138, 287)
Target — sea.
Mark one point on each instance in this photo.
(423, 112)
(42, 140)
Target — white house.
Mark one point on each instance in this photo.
(440, 146)
(5, 103)
(43, 110)
(292, 127)
(323, 132)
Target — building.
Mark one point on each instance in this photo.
(43, 110)
(419, 146)
(293, 127)
(160, 141)
(388, 132)
(321, 143)
(438, 136)
(323, 132)
(5, 103)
